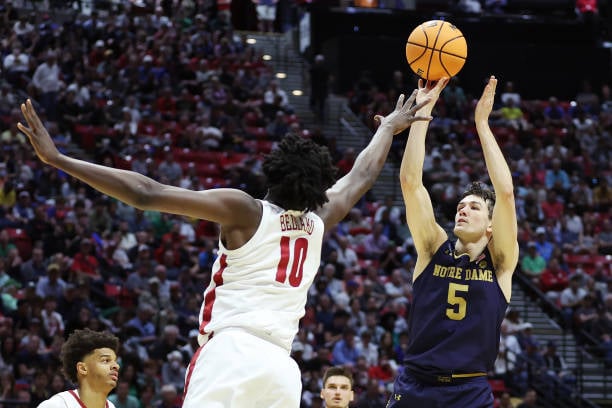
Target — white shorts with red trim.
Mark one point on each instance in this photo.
(236, 369)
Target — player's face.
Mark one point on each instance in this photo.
(101, 369)
(472, 217)
(337, 392)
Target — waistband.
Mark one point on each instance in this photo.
(443, 378)
(203, 339)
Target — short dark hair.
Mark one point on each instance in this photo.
(481, 190)
(339, 371)
(82, 343)
(298, 173)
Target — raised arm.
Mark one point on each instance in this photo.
(225, 206)
(504, 242)
(425, 231)
(349, 189)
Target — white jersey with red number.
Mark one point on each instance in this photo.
(67, 399)
(262, 286)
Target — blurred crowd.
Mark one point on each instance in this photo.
(181, 97)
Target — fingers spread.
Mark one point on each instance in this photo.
(400, 102)
(410, 100)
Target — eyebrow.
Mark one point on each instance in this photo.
(338, 385)
(470, 202)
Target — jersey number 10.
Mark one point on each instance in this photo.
(300, 249)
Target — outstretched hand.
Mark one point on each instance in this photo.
(37, 134)
(404, 114)
(430, 90)
(485, 103)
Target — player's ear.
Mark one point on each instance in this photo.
(352, 395)
(81, 368)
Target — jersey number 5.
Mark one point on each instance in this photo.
(300, 249)
(457, 312)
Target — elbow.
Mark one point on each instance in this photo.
(409, 182)
(142, 196)
(505, 194)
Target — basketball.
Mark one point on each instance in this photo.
(436, 49)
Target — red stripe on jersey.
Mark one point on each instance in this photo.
(80, 401)
(209, 299)
(190, 370)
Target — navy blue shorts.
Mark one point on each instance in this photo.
(410, 391)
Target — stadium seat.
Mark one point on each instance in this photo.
(22, 241)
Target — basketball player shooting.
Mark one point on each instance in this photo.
(269, 253)
(461, 287)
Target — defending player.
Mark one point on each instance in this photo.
(462, 287)
(269, 253)
(89, 359)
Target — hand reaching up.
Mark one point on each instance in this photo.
(404, 114)
(37, 134)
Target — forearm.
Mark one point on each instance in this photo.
(411, 169)
(371, 160)
(127, 186)
(498, 169)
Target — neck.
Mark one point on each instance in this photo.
(473, 249)
(92, 398)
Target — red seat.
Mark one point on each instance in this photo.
(257, 132)
(213, 182)
(231, 158)
(22, 241)
(264, 146)
(498, 387)
(111, 290)
(208, 169)
(578, 259)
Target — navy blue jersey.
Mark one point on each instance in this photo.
(456, 314)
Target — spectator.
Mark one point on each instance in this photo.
(85, 265)
(543, 245)
(556, 364)
(529, 400)
(553, 280)
(169, 397)
(557, 178)
(319, 87)
(173, 370)
(16, 66)
(170, 170)
(34, 268)
(47, 83)
(571, 298)
(122, 398)
(533, 264)
(51, 285)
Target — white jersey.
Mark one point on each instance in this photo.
(67, 399)
(262, 286)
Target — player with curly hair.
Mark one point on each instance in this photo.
(89, 360)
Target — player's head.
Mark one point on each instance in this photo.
(298, 173)
(93, 355)
(475, 210)
(337, 389)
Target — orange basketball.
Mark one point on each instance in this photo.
(435, 49)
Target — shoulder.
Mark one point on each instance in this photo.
(56, 401)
